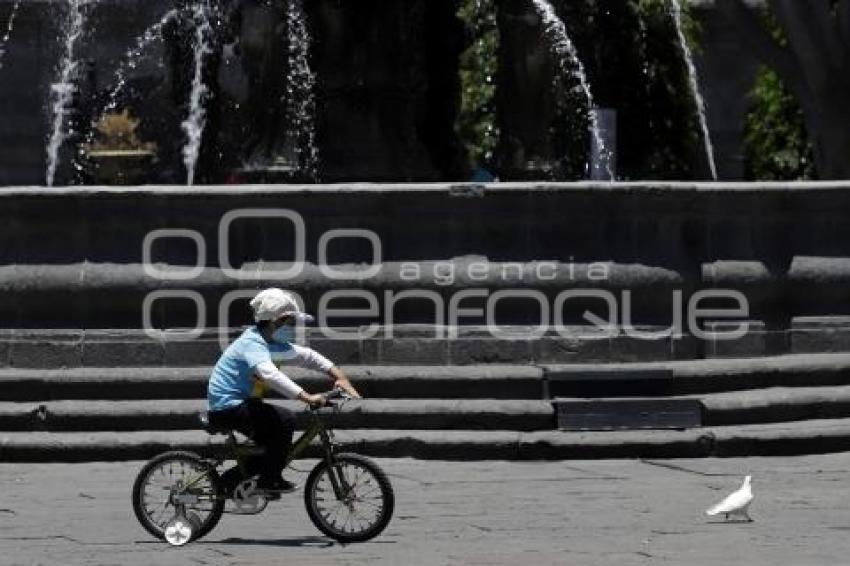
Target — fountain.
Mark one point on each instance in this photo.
(150, 35)
(193, 125)
(119, 157)
(300, 81)
(63, 89)
(4, 40)
(676, 10)
(570, 64)
(368, 86)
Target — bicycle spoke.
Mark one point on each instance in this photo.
(157, 490)
(362, 505)
(373, 490)
(375, 505)
(330, 516)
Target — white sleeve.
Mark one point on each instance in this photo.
(277, 379)
(310, 359)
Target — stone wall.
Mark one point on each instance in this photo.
(74, 257)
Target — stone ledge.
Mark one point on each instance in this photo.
(432, 414)
(815, 437)
(114, 348)
(206, 191)
(760, 406)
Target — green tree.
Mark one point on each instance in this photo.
(476, 123)
(814, 63)
(776, 145)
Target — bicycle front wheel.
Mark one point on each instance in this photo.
(177, 483)
(365, 505)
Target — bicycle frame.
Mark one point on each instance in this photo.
(316, 428)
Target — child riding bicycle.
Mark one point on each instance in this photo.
(247, 368)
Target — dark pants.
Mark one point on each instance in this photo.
(270, 426)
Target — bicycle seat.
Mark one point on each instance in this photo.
(209, 427)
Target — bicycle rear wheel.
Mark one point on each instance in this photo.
(177, 483)
(367, 501)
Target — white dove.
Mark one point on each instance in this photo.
(736, 503)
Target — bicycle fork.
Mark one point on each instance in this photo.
(338, 480)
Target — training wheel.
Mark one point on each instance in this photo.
(180, 529)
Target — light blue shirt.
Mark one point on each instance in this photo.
(232, 379)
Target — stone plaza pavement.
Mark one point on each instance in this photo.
(606, 512)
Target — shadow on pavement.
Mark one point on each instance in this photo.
(317, 542)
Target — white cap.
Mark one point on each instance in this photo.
(273, 303)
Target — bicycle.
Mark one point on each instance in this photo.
(348, 497)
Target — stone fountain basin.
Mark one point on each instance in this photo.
(120, 166)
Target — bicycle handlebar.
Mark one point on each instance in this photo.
(337, 393)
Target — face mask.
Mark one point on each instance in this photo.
(284, 334)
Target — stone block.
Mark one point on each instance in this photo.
(464, 351)
(639, 349)
(413, 351)
(125, 353)
(192, 352)
(571, 350)
(686, 348)
(820, 334)
(5, 353)
(370, 351)
(45, 355)
(756, 342)
(340, 352)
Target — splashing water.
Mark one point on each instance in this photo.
(300, 83)
(193, 125)
(571, 66)
(9, 27)
(63, 90)
(676, 9)
(131, 57)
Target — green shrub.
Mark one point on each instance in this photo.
(476, 123)
(776, 145)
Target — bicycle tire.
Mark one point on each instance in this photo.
(387, 498)
(212, 517)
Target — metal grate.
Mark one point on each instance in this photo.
(627, 414)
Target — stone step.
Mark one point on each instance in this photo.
(432, 414)
(778, 404)
(420, 382)
(403, 345)
(785, 439)
(89, 294)
(756, 406)
(413, 344)
(695, 376)
(487, 381)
